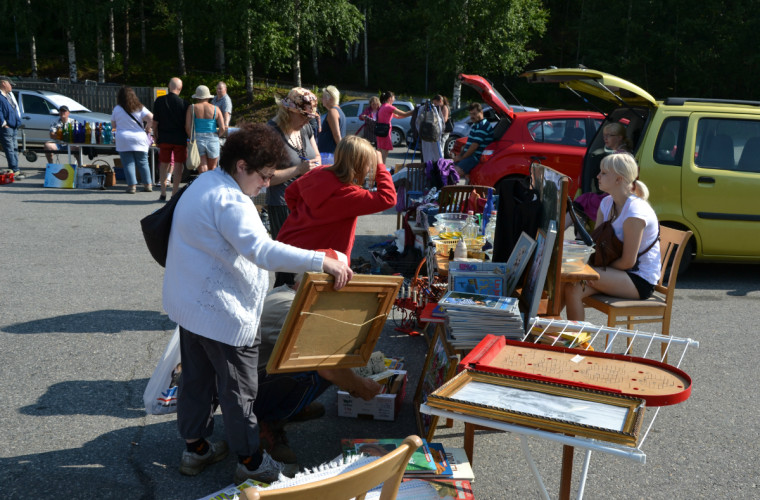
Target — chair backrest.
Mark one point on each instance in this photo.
(453, 198)
(388, 469)
(672, 245)
(750, 160)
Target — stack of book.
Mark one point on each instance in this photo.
(472, 316)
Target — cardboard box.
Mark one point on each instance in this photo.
(381, 407)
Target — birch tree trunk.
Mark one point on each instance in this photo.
(72, 50)
(111, 35)
(143, 22)
(181, 44)
(126, 40)
(456, 94)
(101, 56)
(219, 51)
(248, 59)
(33, 54)
(366, 51)
(314, 52)
(297, 45)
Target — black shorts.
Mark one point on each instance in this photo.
(645, 288)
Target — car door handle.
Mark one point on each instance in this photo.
(706, 180)
(26, 117)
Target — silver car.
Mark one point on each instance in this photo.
(400, 126)
(39, 110)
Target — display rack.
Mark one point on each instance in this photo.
(605, 339)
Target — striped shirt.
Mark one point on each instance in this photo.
(482, 133)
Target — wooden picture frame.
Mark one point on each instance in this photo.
(328, 328)
(440, 366)
(542, 405)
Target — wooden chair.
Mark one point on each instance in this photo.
(453, 198)
(656, 309)
(388, 469)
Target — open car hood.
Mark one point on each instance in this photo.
(595, 83)
(488, 94)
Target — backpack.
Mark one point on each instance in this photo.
(430, 128)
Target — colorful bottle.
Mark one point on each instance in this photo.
(59, 133)
(98, 132)
(87, 132)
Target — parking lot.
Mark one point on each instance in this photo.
(81, 329)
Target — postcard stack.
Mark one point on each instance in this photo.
(472, 316)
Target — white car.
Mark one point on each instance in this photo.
(39, 110)
(400, 126)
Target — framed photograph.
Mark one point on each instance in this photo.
(542, 405)
(518, 261)
(440, 366)
(328, 328)
(534, 283)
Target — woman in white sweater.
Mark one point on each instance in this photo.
(214, 286)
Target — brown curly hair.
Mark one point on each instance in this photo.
(258, 145)
(128, 100)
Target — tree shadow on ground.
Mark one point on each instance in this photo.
(103, 321)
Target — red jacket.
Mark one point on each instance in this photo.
(323, 210)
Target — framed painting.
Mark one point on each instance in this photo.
(440, 366)
(328, 328)
(542, 405)
(534, 282)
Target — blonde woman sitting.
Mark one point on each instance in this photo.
(634, 274)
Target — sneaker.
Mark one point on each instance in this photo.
(268, 472)
(148, 188)
(272, 440)
(192, 464)
(18, 175)
(312, 411)
(131, 190)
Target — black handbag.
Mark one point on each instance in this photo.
(157, 226)
(382, 129)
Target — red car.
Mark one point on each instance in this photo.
(559, 138)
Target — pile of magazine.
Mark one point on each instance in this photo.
(472, 316)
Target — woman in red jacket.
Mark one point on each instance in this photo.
(325, 203)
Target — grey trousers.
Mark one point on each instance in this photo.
(214, 374)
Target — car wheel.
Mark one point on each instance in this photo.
(688, 256)
(31, 156)
(449, 145)
(397, 137)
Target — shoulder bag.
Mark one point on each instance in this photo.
(157, 226)
(382, 129)
(193, 157)
(608, 248)
(148, 136)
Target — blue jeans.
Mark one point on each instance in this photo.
(131, 158)
(9, 146)
(282, 395)
(468, 163)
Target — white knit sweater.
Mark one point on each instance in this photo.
(219, 252)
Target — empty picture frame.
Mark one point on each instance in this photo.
(542, 405)
(328, 328)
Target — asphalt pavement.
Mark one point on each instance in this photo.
(82, 328)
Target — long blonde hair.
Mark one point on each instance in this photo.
(354, 157)
(624, 165)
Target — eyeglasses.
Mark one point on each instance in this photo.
(265, 178)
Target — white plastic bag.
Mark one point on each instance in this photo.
(160, 396)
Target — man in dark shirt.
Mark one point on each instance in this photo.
(169, 125)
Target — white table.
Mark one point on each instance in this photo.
(641, 344)
(151, 154)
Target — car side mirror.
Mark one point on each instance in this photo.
(54, 112)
